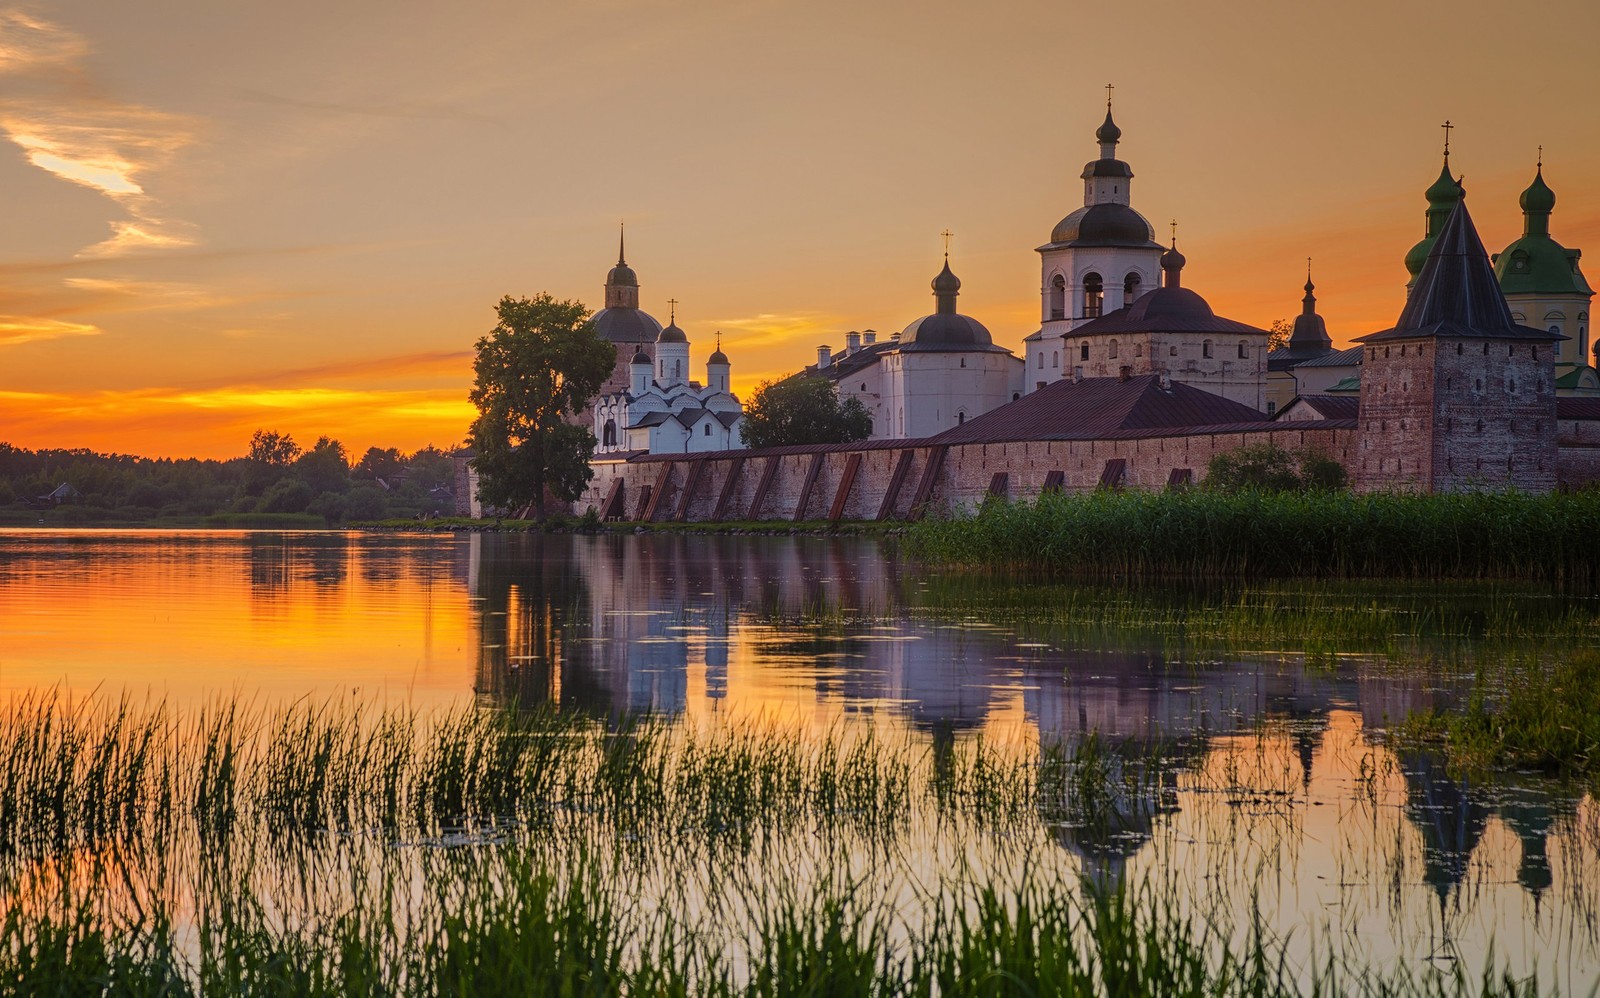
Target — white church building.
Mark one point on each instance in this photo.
(661, 411)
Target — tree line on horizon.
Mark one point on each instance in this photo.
(276, 482)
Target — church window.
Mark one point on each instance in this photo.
(961, 417)
(663, 370)
(1130, 288)
(1015, 396)
(1205, 349)
(1272, 407)
(1386, 352)
(708, 429)
(1083, 350)
(677, 369)
(1244, 350)
(1511, 385)
(963, 362)
(1172, 351)
(1113, 346)
(1058, 297)
(1138, 349)
(608, 436)
(1458, 349)
(1055, 358)
(1093, 295)
(863, 386)
(1486, 349)
(1477, 384)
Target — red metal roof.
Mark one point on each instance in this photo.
(1102, 408)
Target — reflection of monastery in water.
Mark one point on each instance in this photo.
(616, 625)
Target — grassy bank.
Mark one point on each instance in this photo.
(1197, 533)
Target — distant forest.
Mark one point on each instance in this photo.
(275, 484)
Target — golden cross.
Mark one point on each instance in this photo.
(1447, 126)
(673, 316)
(947, 234)
(1109, 88)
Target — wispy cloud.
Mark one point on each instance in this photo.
(406, 109)
(65, 127)
(17, 329)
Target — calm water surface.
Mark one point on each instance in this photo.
(1272, 786)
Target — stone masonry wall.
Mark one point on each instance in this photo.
(964, 478)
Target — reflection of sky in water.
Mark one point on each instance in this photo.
(1250, 775)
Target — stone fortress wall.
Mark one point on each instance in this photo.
(881, 480)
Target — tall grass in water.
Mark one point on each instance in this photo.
(84, 775)
(1469, 535)
(504, 923)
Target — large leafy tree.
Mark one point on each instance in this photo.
(542, 364)
(803, 410)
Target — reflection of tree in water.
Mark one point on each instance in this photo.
(529, 590)
(279, 561)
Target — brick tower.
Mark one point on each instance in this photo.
(1457, 395)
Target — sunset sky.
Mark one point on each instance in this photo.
(299, 216)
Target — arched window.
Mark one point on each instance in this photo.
(1113, 346)
(1093, 295)
(677, 369)
(1130, 288)
(1205, 349)
(963, 362)
(608, 436)
(1041, 360)
(1058, 297)
(708, 429)
(1244, 350)
(1138, 349)
(961, 417)
(1055, 358)
(1083, 350)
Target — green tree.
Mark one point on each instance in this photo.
(378, 463)
(271, 447)
(538, 367)
(325, 467)
(1270, 468)
(803, 410)
(269, 458)
(1278, 333)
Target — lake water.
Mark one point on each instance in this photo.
(1270, 784)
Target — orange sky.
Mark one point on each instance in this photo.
(299, 215)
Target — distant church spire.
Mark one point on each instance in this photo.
(622, 234)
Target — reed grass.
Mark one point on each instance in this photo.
(1200, 533)
(341, 848)
(1523, 712)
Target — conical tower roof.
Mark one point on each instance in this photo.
(1456, 294)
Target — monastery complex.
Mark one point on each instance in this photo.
(1132, 380)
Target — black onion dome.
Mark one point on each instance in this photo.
(626, 325)
(1104, 225)
(622, 276)
(1107, 168)
(945, 331)
(672, 334)
(1108, 132)
(640, 357)
(946, 282)
(717, 358)
(1173, 260)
